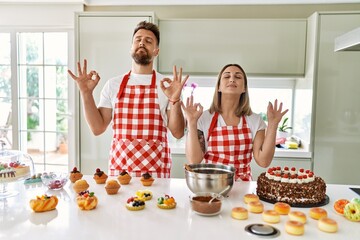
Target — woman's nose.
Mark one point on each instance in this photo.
(232, 79)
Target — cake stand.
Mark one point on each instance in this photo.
(9, 160)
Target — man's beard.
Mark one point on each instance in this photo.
(141, 58)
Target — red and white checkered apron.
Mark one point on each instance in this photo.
(230, 145)
(140, 137)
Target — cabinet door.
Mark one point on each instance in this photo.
(262, 47)
(337, 110)
(105, 41)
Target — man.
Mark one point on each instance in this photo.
(140, 107)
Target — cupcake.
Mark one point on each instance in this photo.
(80, 186)
(124, 178)
(166, 202)
(135, 204)
(147, 179)
(86, 200)
(100, 177)
(112, 187)
(75, 175)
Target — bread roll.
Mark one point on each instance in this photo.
(282, 208)
(271, 216)
(297, 216)
(294, 228)
(317, 213)
(326, 224)
(256, 207)
(239, 213)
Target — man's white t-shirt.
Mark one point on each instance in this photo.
(254, 122)
(111, 88)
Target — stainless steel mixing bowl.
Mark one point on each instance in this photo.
(213, 178)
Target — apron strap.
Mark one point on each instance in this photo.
(212, 124)
(126, 79)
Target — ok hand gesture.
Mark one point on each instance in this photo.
(173, 91)
(85, 81)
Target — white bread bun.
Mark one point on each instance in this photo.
(297, 216)
(294, 228)
(271, 216)
(317, 213)
(282, 208)
(326, 224)
(256, 207)
(239, 213)
(250, 197)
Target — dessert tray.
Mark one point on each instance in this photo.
(300, 205)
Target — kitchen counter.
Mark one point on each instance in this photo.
(111, 219)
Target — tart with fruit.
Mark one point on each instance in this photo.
(144, 194)
(166, 202)
(75, 175)
(147, 179)
(135, 204)
(86, 200)
(99, 176)
(44, 203)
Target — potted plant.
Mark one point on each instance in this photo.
(283, 128)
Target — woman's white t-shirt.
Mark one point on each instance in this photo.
(254, 122)
(110, 90)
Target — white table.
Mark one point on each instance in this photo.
(111, 220)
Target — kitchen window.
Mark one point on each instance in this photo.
(33, 83)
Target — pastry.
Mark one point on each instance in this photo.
(86, 200)
(80, 186)
(44, 203)
(294, 228)
(250, 197)
(297, 216)
(271, 216)
(255, 207)
(144, 194)
(112, 187)
(352, 211)
(100, 177)
(147, 179)
(339, 205)
(282, 208)
(75, 175)
(326, 224)
(135, 204)
(317, 213)
(166, 202)
(124, 178)
(239, 213)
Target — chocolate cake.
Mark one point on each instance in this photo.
(291, 186)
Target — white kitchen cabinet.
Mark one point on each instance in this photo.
(337, 102)
(104, 39)
(264, 47)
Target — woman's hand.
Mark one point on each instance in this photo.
(192, 110)
(85, 81)
(173, 91)
(275, 113)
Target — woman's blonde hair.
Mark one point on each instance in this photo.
(243, 107)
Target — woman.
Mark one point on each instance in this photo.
(229, 132)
